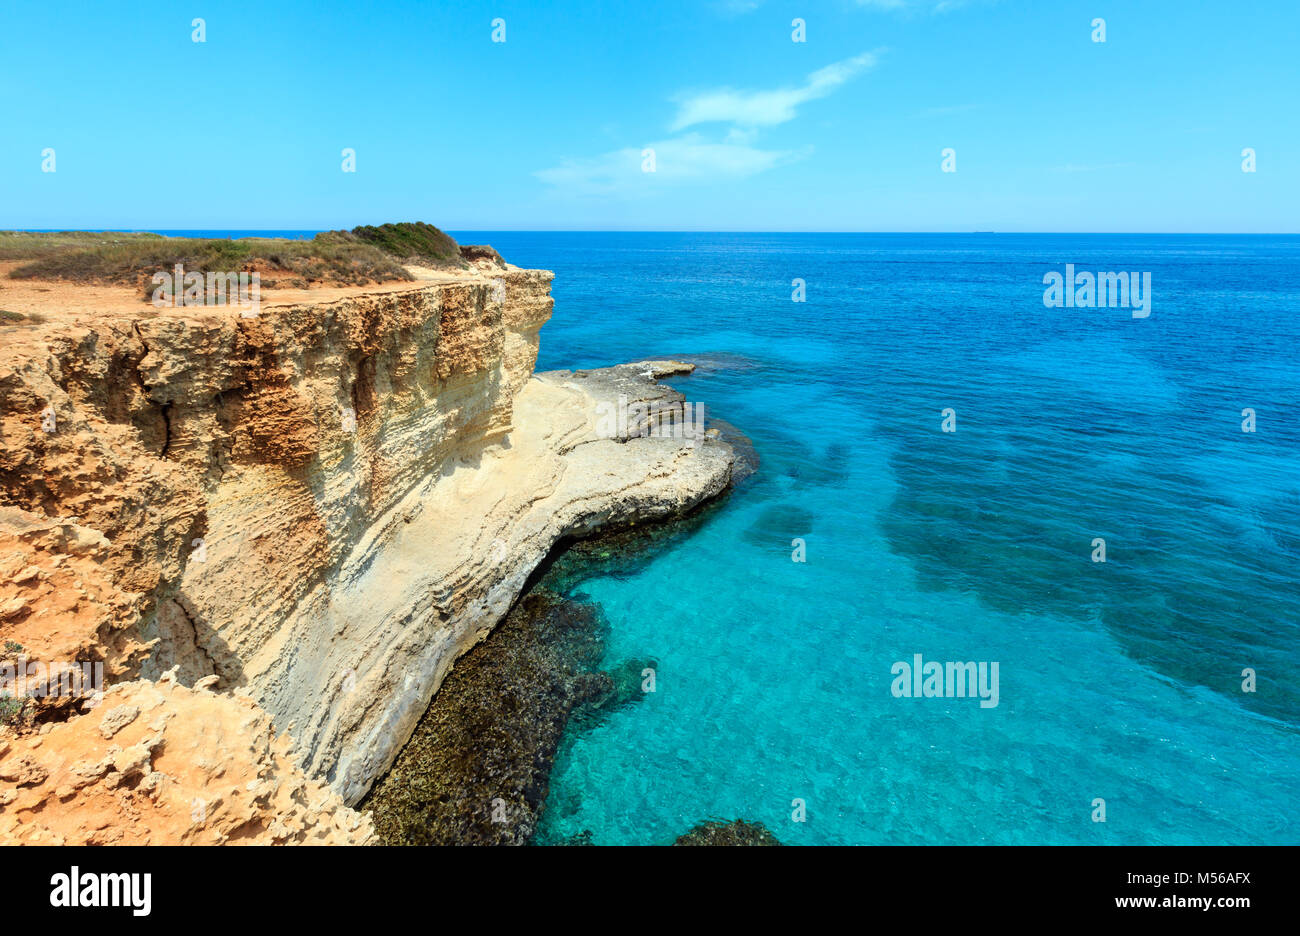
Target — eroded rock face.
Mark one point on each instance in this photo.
(322, 506)
(58, 603)
(158, 764)
(428, 585)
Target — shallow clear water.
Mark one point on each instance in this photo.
(1120, 680)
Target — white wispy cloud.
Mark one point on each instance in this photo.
(766, 108)
(693, 157)
(681, 159)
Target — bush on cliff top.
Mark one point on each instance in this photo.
(413, 241)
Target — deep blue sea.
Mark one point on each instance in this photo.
(1120, 681)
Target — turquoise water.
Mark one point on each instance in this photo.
(1119, 680)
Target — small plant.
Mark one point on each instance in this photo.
(11, 710)
(13, 648)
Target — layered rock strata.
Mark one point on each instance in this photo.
(320, 507)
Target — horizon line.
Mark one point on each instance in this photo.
(512, 230)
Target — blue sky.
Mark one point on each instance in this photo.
(751, 131)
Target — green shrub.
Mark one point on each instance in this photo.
(11, 710)
(414, 241)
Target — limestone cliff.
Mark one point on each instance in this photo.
(321, 506)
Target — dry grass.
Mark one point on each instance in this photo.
(333, 258)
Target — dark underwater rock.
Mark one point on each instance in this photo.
(778, 524)
(476, 769)
(736, 832)
(622, 552)
(742, 446)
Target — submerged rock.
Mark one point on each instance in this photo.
(736, 832)
(777, 524)
(476, 769)
(747, 458)
(620, 552)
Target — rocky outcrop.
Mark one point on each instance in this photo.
(320, 507)
(158, 764)
(58, 605)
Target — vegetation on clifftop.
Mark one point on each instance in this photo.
(332, 258)
(412, 241)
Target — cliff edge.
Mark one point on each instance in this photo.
(308, 514)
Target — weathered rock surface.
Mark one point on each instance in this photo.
(188, 767)
(322, 506)
(59, 603)
(429, 584)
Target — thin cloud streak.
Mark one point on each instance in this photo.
(766, 108)
(690, 158)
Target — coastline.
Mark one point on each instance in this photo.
(328, 574)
